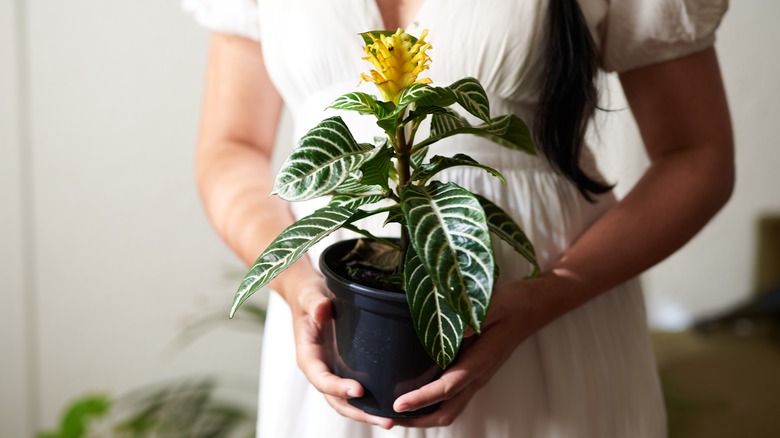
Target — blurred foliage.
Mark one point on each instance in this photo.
(188, 408)
(250, 318)
(78, 415)
(184, 408)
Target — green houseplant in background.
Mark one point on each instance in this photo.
(189, 408)
(443, 260)
(193, 407)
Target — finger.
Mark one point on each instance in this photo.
(477, 362)
(444, 388)
(311, 361)
(316, 305)
(321, 311)
(347, 410)
(330, 384)
(447, 412)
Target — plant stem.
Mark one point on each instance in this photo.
(404, 175)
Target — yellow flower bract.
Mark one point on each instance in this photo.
(397, 62)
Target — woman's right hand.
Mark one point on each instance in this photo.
(310, 304)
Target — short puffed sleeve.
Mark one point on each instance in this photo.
(636, 33)
(238, 17)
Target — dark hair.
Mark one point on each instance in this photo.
(568, 96)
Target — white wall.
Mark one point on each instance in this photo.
(15, 348)
(104, 249)
(716, 269)
(101, 193)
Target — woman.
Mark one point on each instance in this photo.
(565, 354)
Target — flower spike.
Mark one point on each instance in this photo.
(397, 59)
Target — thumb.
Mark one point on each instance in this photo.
(321, 311)
(317, 306)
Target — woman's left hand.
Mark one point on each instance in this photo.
(509, 322)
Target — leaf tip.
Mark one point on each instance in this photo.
(237, 301)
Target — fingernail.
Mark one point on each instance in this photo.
(402, 408)
(351, 393)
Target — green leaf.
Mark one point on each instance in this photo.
(356, 101)
(79, 414)
(446, 121)
(434, 97)
(387, 125)
(439, 328)
(395, 215)
(182, 408)
(430, 96)
(468, 92)
(324, 158)
(503, 226)
(290, 245)
(362, 214)
(376, 170)
(364, 103)
(353, 202)
(353, 186)
(421, 112)
(508, 131)
(439, 163)
(448, 231)
(418, 157)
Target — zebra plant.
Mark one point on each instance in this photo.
(446, 262)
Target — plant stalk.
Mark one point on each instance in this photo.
(404, 176)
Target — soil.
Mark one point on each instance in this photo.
(374, 265)
(372, 277)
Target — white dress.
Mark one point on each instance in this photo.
(591, 372)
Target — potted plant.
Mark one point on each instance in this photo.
(439, 273)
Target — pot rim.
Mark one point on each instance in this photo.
(396, 297)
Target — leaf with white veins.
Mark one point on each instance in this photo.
(503, 226)
(448, 231)
(439, 328)
(324, 158)
(293, 242)
(508, 131)
(439, 163)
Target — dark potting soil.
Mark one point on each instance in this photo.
(374, 265)
(371, 277)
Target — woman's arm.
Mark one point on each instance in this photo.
(240, 116)
(238, 128)
(241, 112)
(683, 117)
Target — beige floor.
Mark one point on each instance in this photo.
(720, 385)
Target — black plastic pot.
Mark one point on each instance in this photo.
(375, 342)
